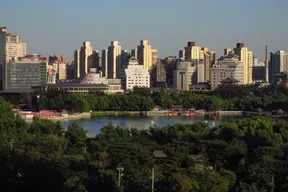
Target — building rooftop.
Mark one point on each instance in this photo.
(230, 80)
(231, 56)
(19, 90)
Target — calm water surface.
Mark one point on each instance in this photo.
(95, 124)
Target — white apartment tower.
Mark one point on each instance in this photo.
(85, 58)
(144, 54)
(114, 59)
(135, 75)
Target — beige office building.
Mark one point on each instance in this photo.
(77, 63)
(86, 52)
(247, 58)
(144, 54)
(114, 60)
(209, 60)
(61, 73)
(185, 76)
(192, 52)
(225, 67)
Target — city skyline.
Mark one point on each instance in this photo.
(61, 32)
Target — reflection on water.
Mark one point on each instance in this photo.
(94, 125)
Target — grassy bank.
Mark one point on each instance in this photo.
(110, 114)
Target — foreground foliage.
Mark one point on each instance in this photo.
(237, 156)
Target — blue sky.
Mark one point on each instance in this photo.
(60, 26)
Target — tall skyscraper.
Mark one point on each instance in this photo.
(114, 60)
(85, 58)
(144, 54)
(77, 64)
(104, 63)
(209, 60)
(247, 58)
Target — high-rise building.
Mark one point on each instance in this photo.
(278, 63)
(247, 58)
(227, 51)
(13, 46)
(192, 52)
(154, 56)
(61, 73)
(258, 70)
(170, 65)
(24, 72)
(125, 56)
(250, 66)
(144, 54)
(86, 52)
(135, 75)
(181, 54)
(70, 68)
(10, 47)
(77, 64)
(95, 60)
(209, 60)
(134, 53)
(114, 59)
(104, 63)
(228, 66)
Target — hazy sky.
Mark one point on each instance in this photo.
(60, 26)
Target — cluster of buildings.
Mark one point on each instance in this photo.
(115, 70)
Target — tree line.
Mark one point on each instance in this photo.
(237, 156)
(238, 98)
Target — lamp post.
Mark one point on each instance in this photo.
(120, 169)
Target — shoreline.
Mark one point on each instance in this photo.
(162, 113)
(89, 115)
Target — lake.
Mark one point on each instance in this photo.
(95, 124)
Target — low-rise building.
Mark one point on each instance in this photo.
(92, 81)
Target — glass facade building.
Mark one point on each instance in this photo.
(22, 74)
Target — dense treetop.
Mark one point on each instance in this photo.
(238, 156)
